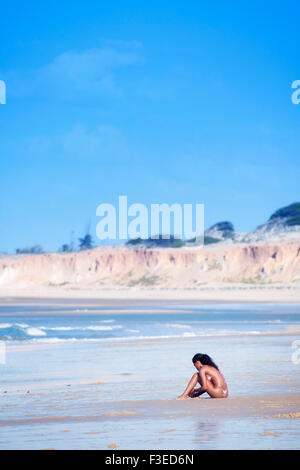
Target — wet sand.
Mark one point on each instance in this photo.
(122, 394)
(78, 420)
(261, 406)
(83, 396)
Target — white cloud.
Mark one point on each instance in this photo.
(102, 143)
(77, 75)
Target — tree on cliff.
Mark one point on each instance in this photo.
(36, 249)
(86, 243)
(66, 248)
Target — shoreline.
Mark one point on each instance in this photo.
(17, 346)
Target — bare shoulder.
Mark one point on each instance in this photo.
(212, 371)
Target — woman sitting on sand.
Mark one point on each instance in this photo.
(209, 377)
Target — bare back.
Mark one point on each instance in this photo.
(215, 381)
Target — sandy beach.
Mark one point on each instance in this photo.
(264, 422)
(119, 392)
(238, 292)
(150, 213)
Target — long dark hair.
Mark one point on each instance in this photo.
(205, 359)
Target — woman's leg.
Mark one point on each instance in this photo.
(215, 392)
(190, 387)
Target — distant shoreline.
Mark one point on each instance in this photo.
(133, 296)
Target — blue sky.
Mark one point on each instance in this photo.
(185, 102)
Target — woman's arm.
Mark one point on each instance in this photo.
(203, 379)
(197, 392)
(190, 391)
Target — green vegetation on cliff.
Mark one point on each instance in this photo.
(159, 242)
(291, 213)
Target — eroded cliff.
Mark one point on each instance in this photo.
(175, 268)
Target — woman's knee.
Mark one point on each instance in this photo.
(194, 378)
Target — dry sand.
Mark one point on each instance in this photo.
(212, 293)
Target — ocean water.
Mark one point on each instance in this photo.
(32, 324)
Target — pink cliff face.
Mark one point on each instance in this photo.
(174, 268)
